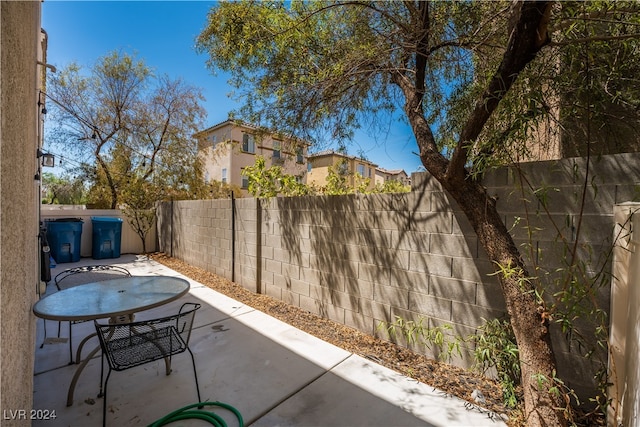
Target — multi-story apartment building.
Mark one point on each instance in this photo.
(228, 147)
(354, 168)
(384, 175)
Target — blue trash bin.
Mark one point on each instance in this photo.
(107, 232)
(64, 236)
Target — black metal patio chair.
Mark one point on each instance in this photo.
(87, 274)
(79, 276)
(127, 345)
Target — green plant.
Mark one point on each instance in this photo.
(439, 337)
(337, 184)
(496, 348)
(138, 206)
(265, 182)
(391, 186)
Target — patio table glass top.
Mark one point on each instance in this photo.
(110, 298)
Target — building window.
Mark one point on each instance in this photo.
(309, 167)
(224, 175)
(277, 147)
(245, 179)
(343, 167)
(369, 172)
(213, 140)
(361, 170)
(248, 143)
(299, 156)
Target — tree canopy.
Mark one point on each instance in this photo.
(127, 126)
(479, 83)
(322, 69)
(62, 189)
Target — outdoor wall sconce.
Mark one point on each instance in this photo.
(48, 159)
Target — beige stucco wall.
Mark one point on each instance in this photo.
(624, 363)
(319, 171)
(227, 153)
(19, 38)
(321, 164)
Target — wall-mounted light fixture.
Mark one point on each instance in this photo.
(48, 159)
(49, 66)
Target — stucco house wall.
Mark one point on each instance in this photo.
(322, 161)
(220, 148)
(19, 136)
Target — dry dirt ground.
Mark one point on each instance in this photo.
(450, 379)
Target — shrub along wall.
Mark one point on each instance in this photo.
(363, 259)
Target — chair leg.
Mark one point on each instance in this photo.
(195, 374)
(104, 401)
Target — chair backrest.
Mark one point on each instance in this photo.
(126, 345)
(88, 274)
(184, 319)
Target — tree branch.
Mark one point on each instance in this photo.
(527, 37)
(596, 39)
(422, 48)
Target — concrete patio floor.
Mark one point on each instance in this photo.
(273, 373)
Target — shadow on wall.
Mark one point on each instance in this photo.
(372, 258)
(165, 227)
(365, 259)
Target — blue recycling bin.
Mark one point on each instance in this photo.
(64, 236)
(107, 232)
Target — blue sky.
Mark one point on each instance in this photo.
(163, 33)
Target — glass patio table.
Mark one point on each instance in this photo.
(117, 299)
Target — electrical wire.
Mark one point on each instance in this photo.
(187, 412)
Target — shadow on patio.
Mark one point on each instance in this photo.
(273, 373)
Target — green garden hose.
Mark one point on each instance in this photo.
(186, 413)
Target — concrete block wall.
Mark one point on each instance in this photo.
(248, 259)
(363, 259)
(198, 232)
(549, 219)
(360, 260)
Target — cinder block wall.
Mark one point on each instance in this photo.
(198, 232)
(555, 209)
(363, 259)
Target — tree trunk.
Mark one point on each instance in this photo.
(528, 320)
(144, 244)
(527, 313)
